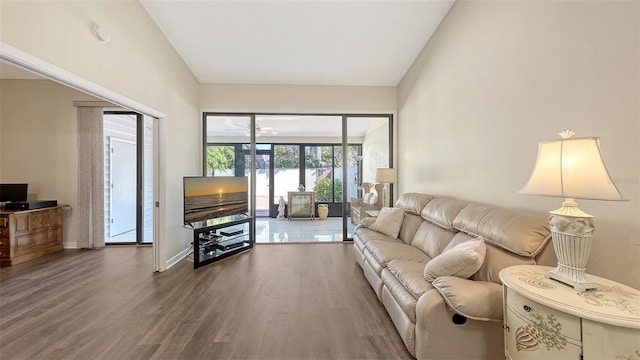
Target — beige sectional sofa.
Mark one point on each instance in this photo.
(434, 264)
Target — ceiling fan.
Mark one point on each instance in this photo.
(260, 130)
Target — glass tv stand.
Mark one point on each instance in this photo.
(216, 239)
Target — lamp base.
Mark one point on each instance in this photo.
(572, 232)
(575, 278)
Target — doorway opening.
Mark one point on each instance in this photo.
(128, 192)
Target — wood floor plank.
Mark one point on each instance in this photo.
(290, 301)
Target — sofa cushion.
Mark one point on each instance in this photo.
(497, 259)
(442, 212)
(410, 225)
(389, 221)
(366, 222)
(385, 251)
(462, 261)
(522, 234)
(432, 239)
(477, 300)
(410, 275)
(413, 202)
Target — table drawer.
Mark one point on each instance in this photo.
(545, 318)
(524, 340)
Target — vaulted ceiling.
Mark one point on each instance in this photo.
(359, 43)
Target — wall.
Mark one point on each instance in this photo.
(138, 64)
(496, 78)
(38, 142)
(302, 99)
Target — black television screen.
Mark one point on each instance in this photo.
(209, 197)
(13, 192)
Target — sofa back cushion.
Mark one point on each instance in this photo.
(410, 225)
(413, 202)
(522, 234)
(432, 239)
(495, 260)
(442, 212)
(513, 238)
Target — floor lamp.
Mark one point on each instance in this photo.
(571, 168)
(386, 176)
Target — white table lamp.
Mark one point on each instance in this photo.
(386, 176)
(571, 168)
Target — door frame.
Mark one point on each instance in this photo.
(139, 177)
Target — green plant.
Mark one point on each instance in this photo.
(327, 190)
(286, 156)
(219, 158)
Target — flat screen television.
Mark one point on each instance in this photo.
(209, 197)
(13, 192)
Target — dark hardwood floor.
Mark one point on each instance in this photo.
(292, 301)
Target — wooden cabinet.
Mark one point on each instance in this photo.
(545, 319)
(302, 204)
(28, 234)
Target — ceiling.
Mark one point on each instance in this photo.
(295, 42)
(321, 42)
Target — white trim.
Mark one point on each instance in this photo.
(70, 245)
(174, 260)
(30, 63)
(156, 195)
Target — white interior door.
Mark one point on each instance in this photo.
(123, 187)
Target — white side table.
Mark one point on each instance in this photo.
(545, 319)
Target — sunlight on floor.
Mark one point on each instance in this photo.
(269, 230)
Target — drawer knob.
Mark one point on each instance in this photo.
(527, 308)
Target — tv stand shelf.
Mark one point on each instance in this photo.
(219, 238)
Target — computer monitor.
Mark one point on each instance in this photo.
(13, 192)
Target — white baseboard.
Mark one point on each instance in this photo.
(70, 245)
(174, 260)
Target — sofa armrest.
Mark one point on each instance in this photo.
(478, 300)
(366, 222)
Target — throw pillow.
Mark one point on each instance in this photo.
(373, 199)
(462, 260)
(366, 198)
(389, 221)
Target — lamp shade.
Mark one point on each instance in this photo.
(571, 168)
(386, 175)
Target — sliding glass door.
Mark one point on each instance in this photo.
(364, 193)
(129, 177)
(332, 156)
